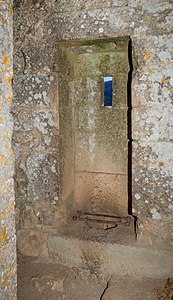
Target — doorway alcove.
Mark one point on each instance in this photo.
(93, 132)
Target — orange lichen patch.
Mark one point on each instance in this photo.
(9, 80)
(3, 21)
(6, 281)
(10, 10)
(8, 190)
(2, 157)
(6, 163)
(12, 206)
(7, 278)
(11, 152)
(6, 146)
(4, 70)
(5, 136)
(148, 54)
(3, 214)
(3, 234)
(10, 268)
(6, 60)
(1, 118)
(9, 98)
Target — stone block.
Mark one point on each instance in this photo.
(25, 139)
(100, 153)
(32, 243)
(108, 22)
(39, 57)
(107, 259)
(46, 124)
(152, 179)
(156, 6)
(42, 173)
(68, 6)
(152, 123)
(126, 287)
(24, 23)
(22, 119)
(156, 232)
(152, 84)
(103, 121)
(37, 129)
(96, 192)
(35, 90)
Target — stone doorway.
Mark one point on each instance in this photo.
(94, 136)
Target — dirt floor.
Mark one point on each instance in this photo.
(51, 281)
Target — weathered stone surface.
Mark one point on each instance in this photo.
(152, 84)
(156, 232)
(50, 280)
(42, 172)
(46, 124)
(131, 288)
(39, 133)
(39, 26)
(7, 211)
(150, 123)
(107, 259)
(34, 57)
(35, 89)
(152, 179)
(94, 192)
(102, 157)
(7, 220)
(32, 243)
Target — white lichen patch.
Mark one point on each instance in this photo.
(155, 214)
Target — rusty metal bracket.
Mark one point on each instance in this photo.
(105, 218)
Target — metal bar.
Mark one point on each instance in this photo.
(103, 218)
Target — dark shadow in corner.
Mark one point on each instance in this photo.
(129, 119)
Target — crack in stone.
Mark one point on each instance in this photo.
(107, 286)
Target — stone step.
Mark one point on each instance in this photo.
(103, 252)
(107, 258)
(130, 288)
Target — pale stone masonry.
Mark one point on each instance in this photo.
(39, 27)
(7, 220)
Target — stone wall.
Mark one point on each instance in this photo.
(39, 25)
(7, 221)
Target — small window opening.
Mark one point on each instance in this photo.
(107, 91)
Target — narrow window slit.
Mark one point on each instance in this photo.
(107, 91)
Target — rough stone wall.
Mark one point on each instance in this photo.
(39, 25)
(35, 113)
(7, 221)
